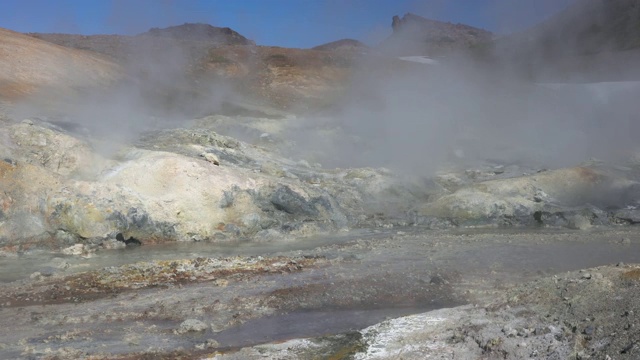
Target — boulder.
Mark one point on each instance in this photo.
(291, 202)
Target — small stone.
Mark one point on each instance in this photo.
(540, 196)
(211, 157)
(588, 330)
(47, 271)
(582, 355)
(232, 229)
(625, 241)
(217, 327)
(509, 332)
(541, 331)
(113, 244)
(27, 121)
(586, 276)
(627, 349)
(437, 280)
(191, 325)
(76, 249)
(620, 264)
(10, 161)
(211, 344)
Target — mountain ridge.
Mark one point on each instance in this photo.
(417, 35)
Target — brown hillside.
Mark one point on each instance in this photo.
(282, 77)
(28, 64)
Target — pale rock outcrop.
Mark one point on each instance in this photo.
(536, 198)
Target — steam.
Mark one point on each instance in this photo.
(420, 118)
(434, 115)
(157, 88)
(411, 117)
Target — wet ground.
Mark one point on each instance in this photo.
(117, 303)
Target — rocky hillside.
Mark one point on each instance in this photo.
(595, 40)
(587, 27)
(28, 64)
(185, 62)
(415, 35)
(192, 40)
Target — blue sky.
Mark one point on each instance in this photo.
(288, 23)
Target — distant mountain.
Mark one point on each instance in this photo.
(344, 44)
(177, 67)
(201, 32)
(415, 35)
(590, 40)
(192, 39)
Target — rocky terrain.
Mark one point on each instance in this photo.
(415, 35)
(179, 209)
(592, 40)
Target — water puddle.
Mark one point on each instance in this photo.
(21, 267)
(307, 324)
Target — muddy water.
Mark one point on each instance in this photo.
(371, 275)
(22, 266)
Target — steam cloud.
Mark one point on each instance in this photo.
(418, 118)
(413, 118)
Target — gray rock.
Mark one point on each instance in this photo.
(211, 157)
(289, 201)
(191, 325)
(631, 216)
(251, 222)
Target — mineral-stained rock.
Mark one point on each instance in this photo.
(55, 151)
(519, 200)
(628, 215)
(165, 192)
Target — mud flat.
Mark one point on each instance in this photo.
(407, 292)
